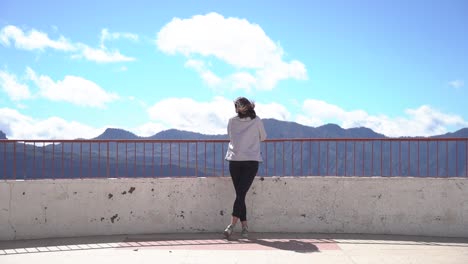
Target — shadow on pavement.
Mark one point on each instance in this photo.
(297, 242)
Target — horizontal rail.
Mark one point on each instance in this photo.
(385, 157)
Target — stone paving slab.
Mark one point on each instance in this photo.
(259, 248)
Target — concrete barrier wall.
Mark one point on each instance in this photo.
(63, 208)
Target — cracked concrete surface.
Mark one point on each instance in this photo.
(80, 207)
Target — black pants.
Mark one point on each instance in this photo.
(242, 175)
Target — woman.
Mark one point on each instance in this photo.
(245, 132)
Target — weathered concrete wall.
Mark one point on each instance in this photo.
(61, 208)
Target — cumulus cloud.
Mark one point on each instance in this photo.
(205, 117)
(106, 36)
(188, 114)
(257, 60)
(19, 126)
(13, 88)
(36, 40)
(101, 55)
(33, 40)
(422, 121)
(72, 89)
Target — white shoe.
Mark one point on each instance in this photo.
(228, 231)
(245, 232)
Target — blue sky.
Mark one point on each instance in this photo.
(70, 69)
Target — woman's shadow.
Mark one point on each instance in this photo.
(290, 245)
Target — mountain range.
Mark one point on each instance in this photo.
(203, 158)
(275, 129)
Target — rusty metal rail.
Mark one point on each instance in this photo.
(388, 157)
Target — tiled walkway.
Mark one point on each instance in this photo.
(259, 248)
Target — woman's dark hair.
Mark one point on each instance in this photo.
(245, 108)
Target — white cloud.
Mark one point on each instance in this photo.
(101, 55)
(423, 121)
(36, 40)
(106, 35)
(19, 126)
(457, 84)
(188, 114)
(205, 117)
(15, 90)
(148, 129)
(243, 45)
(72, 89)
(32, 40)
(272, 110)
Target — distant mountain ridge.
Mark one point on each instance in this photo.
(165, 158)
(2, 135)
(274, 128)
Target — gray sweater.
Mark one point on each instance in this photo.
(245, 135)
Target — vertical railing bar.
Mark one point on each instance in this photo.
(134, 159)
(328, 150)
(318, 159)
(43, 159)
(399, 157)
(363, 158)
(284, 169)
(117, 159)
(302, 155)
(354, 158)
(381, 158)
(187, 161)
(99, 158)
(24, 160)
(391, 172)
(161, 159)
(336, 158)
(53, 160)
(196, 158)
(108, 161)
(5, 161)
(456, 159)
(310, 157)
(34, 159)
(345, 157)
(63, 161)
(446, 159)
(418, 158)
(152, 159)
(214, 159)
(14, 160)
(266, 158)
(126, 159)
(71, 157)
(178, 144)
(89, 162)
(437, 158)
(274, 158)
(222, 151)
(409, 158)
(372, 159)
(427, 158)
(292, 158)
(144, 160)
(81, 160)
(205, 160)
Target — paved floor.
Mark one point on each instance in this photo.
(259, 248)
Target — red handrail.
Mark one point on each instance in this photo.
(298, 156)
